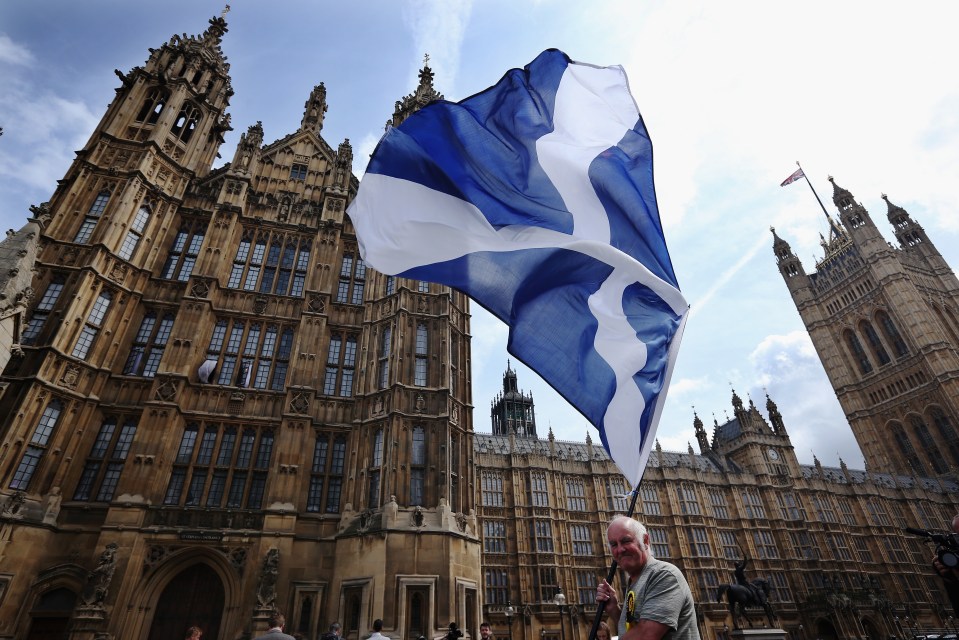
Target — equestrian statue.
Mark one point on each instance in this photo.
(744, 594)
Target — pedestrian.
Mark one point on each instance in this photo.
(602, 633)
(276, 621)
(333, 633)
(658, 603)
(377, 628)
(950, 574)
(486, 632)
(193, 633)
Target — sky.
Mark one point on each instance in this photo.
(733, 95)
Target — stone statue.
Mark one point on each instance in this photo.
(52, 509)
(743, 594)
(98, 580)
(266, 592)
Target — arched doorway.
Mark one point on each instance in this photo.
(194, 597)
(50, 616)
(825, 630)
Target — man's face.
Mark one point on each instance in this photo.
(630, 554)
(485, 632)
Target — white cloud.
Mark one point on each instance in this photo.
(437, 28)
(13, 53)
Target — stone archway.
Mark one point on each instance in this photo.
(825, 630)
(50, 616)
(195, 596)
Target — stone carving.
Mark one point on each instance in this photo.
(70, 377)
(98, 580)
(417, 518)
(200, 289)
(300, 403)
(266, 590)
(52, 507)
(259, 305)
(316, 303)
(13, 503)
(420, 403)
(166, 390)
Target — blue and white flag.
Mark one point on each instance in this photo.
(536, 198)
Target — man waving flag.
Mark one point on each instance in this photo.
(536, 198)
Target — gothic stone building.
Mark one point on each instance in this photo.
(215, 410)
(885, 322)
(829, 540)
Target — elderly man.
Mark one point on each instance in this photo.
(658, 603)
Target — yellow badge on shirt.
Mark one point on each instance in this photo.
(630, 608)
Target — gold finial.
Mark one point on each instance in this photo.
(426, 59)
(226, 10)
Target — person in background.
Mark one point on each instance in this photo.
(658, 603)
(333, 633)
(193, 633)
(377, 628)
(949, 575)
(602, 633)
(276, 621)
(486, 632)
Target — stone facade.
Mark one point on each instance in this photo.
(216, 410)
(885, 322)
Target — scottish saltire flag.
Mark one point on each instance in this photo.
(536, 198)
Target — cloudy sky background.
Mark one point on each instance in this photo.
(732, 93)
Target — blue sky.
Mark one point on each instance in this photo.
(732, 94)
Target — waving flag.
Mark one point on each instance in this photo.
(796, 175)
(536, 198)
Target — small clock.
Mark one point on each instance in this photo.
(773, 454)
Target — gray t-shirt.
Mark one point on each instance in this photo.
(661, 594)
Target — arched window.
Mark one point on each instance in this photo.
(892, 334)
(858, 352)
(875, 344)
(386, 339)
(135, 233)
(37, 445)
(418, 467)
(91, 328)
(93, 216)
(928, 444)
(376, 465)
(947, 432)
(186, 122)
(906, 448)
(152, 107)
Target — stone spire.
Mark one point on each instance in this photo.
(314, 110)
(422, 96)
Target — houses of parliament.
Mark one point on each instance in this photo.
(211, 409)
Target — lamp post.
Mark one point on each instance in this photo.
(560, 601)
(510, 612)
(802, 635)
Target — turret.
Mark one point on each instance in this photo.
(857, 222)
(789, 265)
(701, 437)
(422, 96)
(775, 418)
(314, 110)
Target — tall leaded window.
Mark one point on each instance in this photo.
(184, 253)
(717, 500)
(658, 542)
(251, 355)
(541, 532)
(878, 350)
(152, 107)
(148, 345)
(135, 232)
(352, 280)
(858, 352)
(877, 512)
(789, 507)
(326, 474)
(765, 544)
(340, 366)
(494, 536)
(582, 540)
(422, 342)
(386, 343)
(688, 501)
(906, 448)
(337, 458)
(492, 487)
(933, 453)
(221, 466)
(418, 467)
(423, 286)
(946, 431)
(37, 445)
(892, 334)
(698, 542)
(93, 216)
(42, 311)
(803, 547)
(575, 494)
(497, 586)
(298, 171)
(585, 587)
(376, 465)
(536, 489)
(650, 497)
(753, 504)
(390, 285)
(186, 122)
(822, 503)
(616, 495)
(101, 473)
(270, 263)
(91, 328)
(727, 539)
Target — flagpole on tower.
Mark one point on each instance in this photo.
(796, 175)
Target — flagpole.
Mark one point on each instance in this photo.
(813, 190)
(600, 610)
